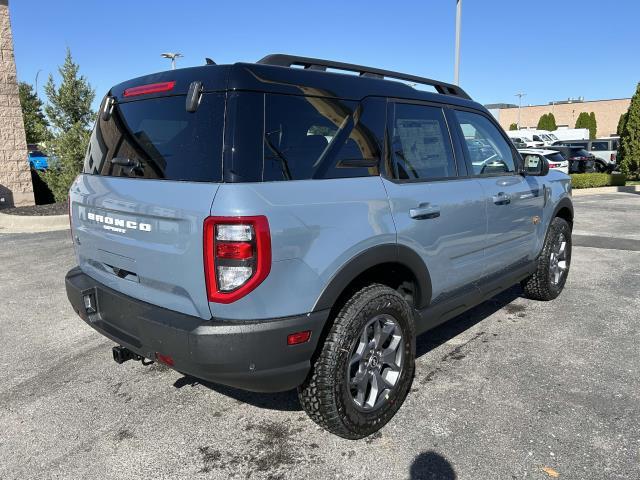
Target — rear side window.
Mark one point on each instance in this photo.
(158, 139)
(487, 149)
(317, 137)
(599, 146)
(420, 143)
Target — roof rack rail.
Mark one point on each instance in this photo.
(283, 60)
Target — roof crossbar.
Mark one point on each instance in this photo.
(283, 60)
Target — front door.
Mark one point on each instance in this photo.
(514, 202)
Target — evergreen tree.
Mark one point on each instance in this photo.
(621, 123)
(513, 126)
(542, 122)
(583, 121)
(547, 122)
(593, 126)
(630, 137)
(70, 114)
(552, 125)
(35, 123)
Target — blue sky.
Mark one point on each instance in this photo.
(549, 49)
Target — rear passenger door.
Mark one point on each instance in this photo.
(438, 211)
(514, 202)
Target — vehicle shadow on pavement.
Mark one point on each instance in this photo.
(454, 327)
(283, 401)
(431, 465)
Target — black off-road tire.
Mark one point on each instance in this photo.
(540, 286)
(325, 394)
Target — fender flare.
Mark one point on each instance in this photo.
(565, 202)
(371, 257)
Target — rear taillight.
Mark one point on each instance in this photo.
(149, 89)
(614, 157)
(237, 256)
(554, 165)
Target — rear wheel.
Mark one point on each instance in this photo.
(365, 368)
(553, 264)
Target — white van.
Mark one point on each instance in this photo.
(525, 137)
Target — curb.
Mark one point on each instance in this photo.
(32, 224)
(577, 192)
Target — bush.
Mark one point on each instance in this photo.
(591, 180)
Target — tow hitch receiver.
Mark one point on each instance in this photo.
(122, 354)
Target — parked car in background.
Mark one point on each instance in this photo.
(580, 161)
(37, 159)
(604, 149)
(518, 142)
(524, 137)
(554, 158)
(571, 134)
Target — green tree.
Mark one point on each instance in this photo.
(583, 121)
(552, 125)
(542, 122)
(513, 126)
(630, 137)
(547, 122)
(621, 123)
(35, 123)
(70, 114)
(593, 126)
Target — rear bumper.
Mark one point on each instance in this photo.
(251, 355)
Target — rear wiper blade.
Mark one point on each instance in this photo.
(126, 162)
(284, 164)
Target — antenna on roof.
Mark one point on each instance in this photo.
(208, 61)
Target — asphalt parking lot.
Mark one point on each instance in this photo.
(505, 391)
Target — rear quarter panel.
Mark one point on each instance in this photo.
(316, 227)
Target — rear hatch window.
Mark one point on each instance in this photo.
(555, 157)
(158, 139)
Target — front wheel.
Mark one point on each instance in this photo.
(553, 263)
(365, 368)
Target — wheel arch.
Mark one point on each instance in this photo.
(398, 261)
(564, 210)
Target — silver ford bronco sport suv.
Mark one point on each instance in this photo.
(282, 225)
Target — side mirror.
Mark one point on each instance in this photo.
(535, 165)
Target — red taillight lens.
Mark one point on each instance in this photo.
(299, 337)
(554, 165)
(614, 157)
(237, 256)
(149, 88)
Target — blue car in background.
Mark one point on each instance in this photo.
(37, 159)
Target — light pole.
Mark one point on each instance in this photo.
(172, 56)
(456, 68)
(519, 95)
(37, 73)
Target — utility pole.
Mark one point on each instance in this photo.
(519, 95)
(172, 56)
(456, 68)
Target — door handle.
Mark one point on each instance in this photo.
(502, 199)
(425, 211)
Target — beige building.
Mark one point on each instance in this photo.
(607, 114)
(15, 177)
